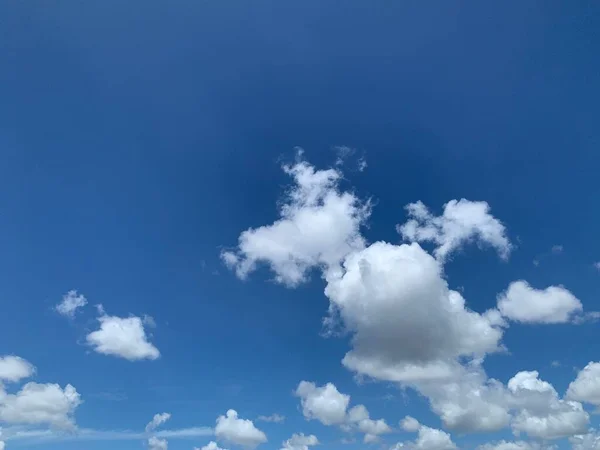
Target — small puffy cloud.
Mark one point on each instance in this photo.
(299, 442)
(157, 420)
(212, 445)
(71, 301)
(522, 303)
(428, 439)
(358, 418)
(410, 424)
(325, 404)
(155, 443)
(557, 249)
(122, 337)
(462, 221)
(238, 431)
(274, 418)
(14, 368)
(36, 404)
(318, 227)
(586, 387)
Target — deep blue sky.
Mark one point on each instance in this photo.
(138, 139)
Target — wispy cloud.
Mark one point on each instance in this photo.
(89, 434)
(275, 418)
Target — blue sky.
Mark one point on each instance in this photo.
(139, 140)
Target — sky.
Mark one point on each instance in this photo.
(299, 225)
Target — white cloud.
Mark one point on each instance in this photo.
(542, 414)
(325, 404)
(470, 402)
(522, 303)
(407, 325)
(238, 431)
(71, 301)
(597, 265)
(557, 249)
(516, 445)
(586, 387)
(410, 424)
(14, 368)
(274, 418)
(157, 420)
(122, 337)
(299, 442)
(428, 439)
(155, 443)
(318, 227)
(330, 407)
(462, 221)
(2, 444)
(212, 445)
(47, 404)
(587, 441)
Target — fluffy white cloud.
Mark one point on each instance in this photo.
(69, 304)
(410, 424)
(122, 337)
(542, 414)
(47, 404)
(157, 421)
(522, 303)
(428, 439)
(299, 442)
(2, 444)
(275, 418)
(407, 325)
(318, 227)
(586, 387)
(212, 445)
(155, 443)
(325, 404)
(330, 407)
(587, 441)
(470, 402)
(462, 221)
(238, 431)
(14, 368)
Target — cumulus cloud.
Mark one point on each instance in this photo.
(586, 387)
(522, 303)
(461, 222)
(428, 439)
(157, 420)
(155, 443)
(122, 337)
(325, 404)
(410, 424)
(35, 404)
(299, 442)
(238, 431)
(14, 368)
(405, 323)
(212, 445)
(330, 407)
(274, 418)
(541, 413)
(587, 441)
(318, 227)
(71, 301)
